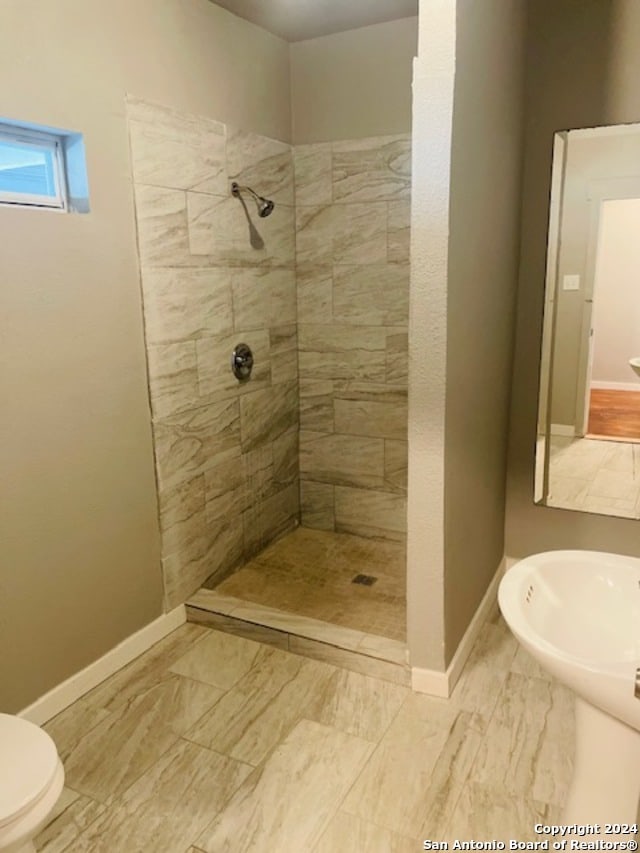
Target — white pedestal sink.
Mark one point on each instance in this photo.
(578, 614)
(634, 363)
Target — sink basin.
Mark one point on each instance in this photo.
(635, 364)
(578, 614)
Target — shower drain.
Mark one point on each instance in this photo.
(365, 580)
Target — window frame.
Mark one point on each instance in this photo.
(42, 140)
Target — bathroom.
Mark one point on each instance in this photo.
(81, 568)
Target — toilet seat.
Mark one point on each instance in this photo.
(29, 766)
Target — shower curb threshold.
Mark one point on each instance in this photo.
(355, 650)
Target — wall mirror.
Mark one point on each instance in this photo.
(588, 441)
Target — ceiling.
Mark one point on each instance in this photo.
(295, 20)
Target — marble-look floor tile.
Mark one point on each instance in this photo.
(253, 717)
(610, 506)
(301, 626)
(219, 660)
(529, 744)
(567, 489)
(307, 577)
(350, 834)
(359, 705)
(168, 806)
(210, 599)
(384, 648)
(617, 485)
(73, 813)
(135, 736)
(286, 804)
(353, 661)
(490, 812)
(238, 628)
(81, 716)
(303, 547)
(139, 676)
(412, 765)
(451, 773)
(485, 672)
(524, 664)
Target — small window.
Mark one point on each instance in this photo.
(32, 168)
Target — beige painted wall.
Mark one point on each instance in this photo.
(583, 70)
(79, 566)
(467, 157)
(486, 163)
(353, 84)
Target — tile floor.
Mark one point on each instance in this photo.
(211, 742)
(310, 572)
(595, 475)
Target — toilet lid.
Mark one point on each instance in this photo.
(28, 762)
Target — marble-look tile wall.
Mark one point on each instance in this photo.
(214, 274)
(352, 255)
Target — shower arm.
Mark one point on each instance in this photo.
(236, 190)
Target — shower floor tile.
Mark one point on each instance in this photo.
(310, 573)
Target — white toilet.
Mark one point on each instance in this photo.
(31, 781)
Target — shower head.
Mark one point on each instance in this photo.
(265, 206)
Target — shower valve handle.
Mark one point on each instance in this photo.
(242, 362)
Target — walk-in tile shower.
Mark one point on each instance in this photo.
(318, 289)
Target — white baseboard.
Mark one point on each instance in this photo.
(60, 697)
(430, 681)
(562, 429)
(442, 683)
(616, 386)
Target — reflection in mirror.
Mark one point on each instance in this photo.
(588, 443)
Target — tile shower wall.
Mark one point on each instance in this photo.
(352, 255)
(214, 274)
